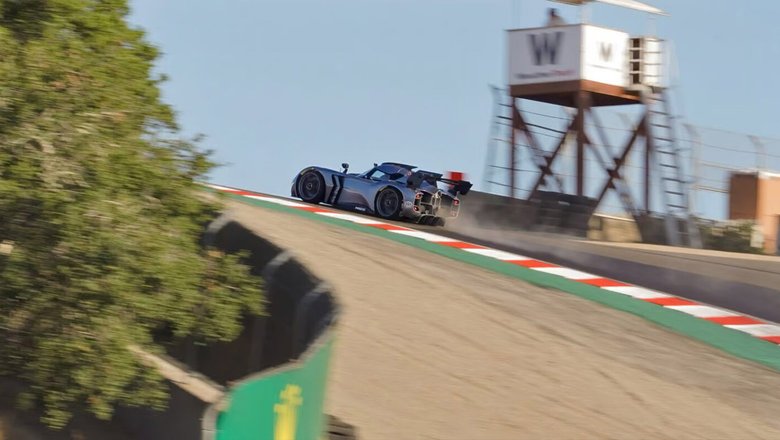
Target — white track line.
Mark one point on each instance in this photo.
(499, 255)
(759, 330)
(703, 311)
(567, 273)
(637, 292)
(278, 201)
(221, 188)
(351, 218)
(424, 236)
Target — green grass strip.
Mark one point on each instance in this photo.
(737, 343)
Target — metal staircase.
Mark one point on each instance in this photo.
(681, 229)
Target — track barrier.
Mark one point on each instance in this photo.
(268, 383)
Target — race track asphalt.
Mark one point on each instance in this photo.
(434, 348)
(749, 284)
(746, 283)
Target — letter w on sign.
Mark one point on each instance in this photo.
(606, 52)
(545, 47)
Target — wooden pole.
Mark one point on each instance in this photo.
(614, 173)
(582, 105)
(547, 169)
(536, 149)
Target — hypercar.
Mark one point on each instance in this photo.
(389, 190)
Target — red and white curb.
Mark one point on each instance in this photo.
(759, 329)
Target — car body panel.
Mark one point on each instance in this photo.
(420, 194)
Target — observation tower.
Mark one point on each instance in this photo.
(580, 67)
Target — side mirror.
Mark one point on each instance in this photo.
(345, 166)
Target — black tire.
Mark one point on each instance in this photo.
(311, 187)
(388, 204)
(439, 221)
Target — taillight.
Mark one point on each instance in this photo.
(456, 202)
(418, 195)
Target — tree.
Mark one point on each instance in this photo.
(100, 213)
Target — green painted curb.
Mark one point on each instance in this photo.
(737, 343)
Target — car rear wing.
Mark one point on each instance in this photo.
(456, 186)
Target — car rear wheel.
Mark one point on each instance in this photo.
(311, 187)
(388, 203)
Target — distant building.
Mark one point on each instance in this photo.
(755, 195)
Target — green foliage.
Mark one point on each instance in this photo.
(730, 237)
(100, 214)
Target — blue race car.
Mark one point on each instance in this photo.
(390, 190)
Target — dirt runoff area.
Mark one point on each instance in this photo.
(430, 348)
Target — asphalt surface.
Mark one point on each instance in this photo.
(746, 283)
(434, 348)
(749, 284)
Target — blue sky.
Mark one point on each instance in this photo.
(279, 85)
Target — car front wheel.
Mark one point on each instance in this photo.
(311, 187)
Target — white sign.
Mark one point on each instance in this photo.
(565, 53)
(605, 56)
(544, 55)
